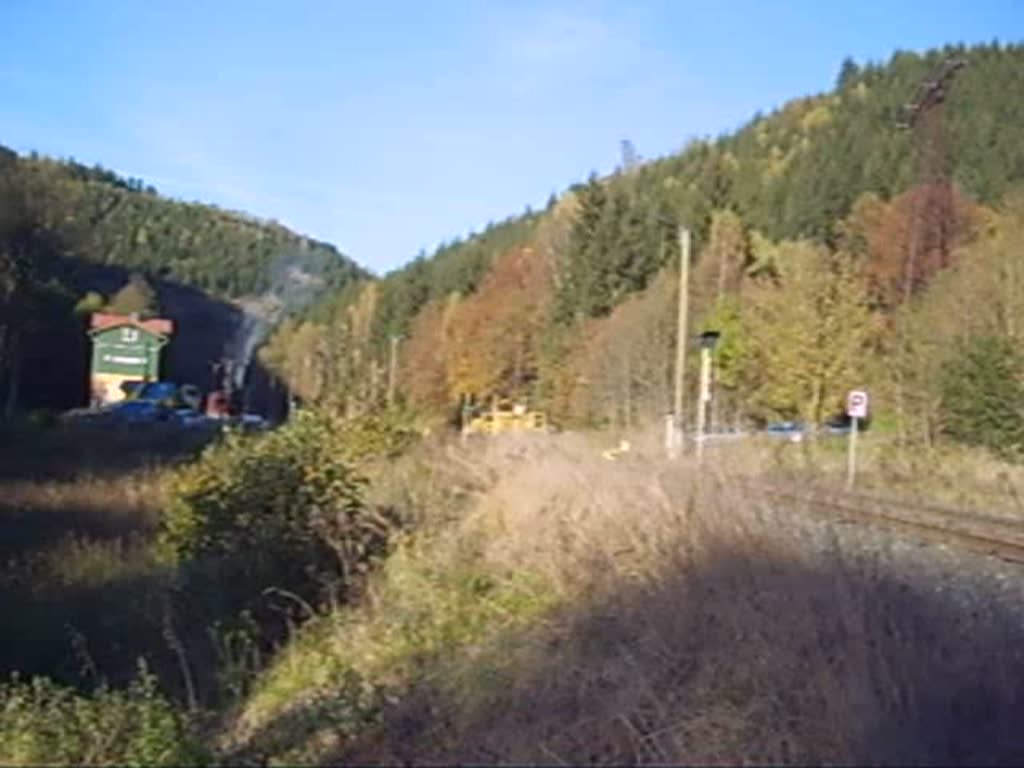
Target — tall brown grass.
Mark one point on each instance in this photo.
(77, 564)
(545, 605)
(36, 513)
(677, 621)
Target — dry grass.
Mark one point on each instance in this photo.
(35, 512)
(634, 611)
(84, 483)
(950, 475)
(72, 522)
(551, 606)
(947, 474)
(77, 563)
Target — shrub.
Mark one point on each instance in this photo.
(286, 499)
(42, 722)
(381, 435)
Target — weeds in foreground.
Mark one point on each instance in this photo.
(255, 526)
(44, 723)
(334, 681)
(544, 605)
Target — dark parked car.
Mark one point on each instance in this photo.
(793, 431)
(837, 426)
(841, 425)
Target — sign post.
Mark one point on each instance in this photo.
(856, 409)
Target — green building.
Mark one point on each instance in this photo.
(124, 349)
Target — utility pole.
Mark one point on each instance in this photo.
(681, 339)
(703, 397)
(392, 373)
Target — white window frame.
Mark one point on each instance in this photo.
(129, 335)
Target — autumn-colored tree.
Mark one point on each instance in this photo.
(990, 290)
(333, 361)
(296, 353)
(424, 356)
(911, 239)
(764, 256)
(475, 366)
(858, 234)
(624, 367)
(355, 377)
(807, 330)
(981, 296)
(494, 333)
(910, 360)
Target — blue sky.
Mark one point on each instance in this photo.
(386, 127)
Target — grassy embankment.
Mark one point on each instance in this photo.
(579, 610)
(539, 605)
(149, 585)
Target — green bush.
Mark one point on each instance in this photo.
(384, 434)
(44, 723)
(290, 499)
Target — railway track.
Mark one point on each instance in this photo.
(965, 529)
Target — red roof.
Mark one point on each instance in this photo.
(100, 321)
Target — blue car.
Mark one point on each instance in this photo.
(138, 412)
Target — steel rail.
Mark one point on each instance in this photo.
(962, 528)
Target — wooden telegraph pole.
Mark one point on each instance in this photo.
(676, 446)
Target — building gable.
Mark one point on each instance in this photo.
(103, 321)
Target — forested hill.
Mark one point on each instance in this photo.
(791, 173)
(532, 306)
(71, 236)
(93, 214)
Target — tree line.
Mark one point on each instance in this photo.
(819, 253)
